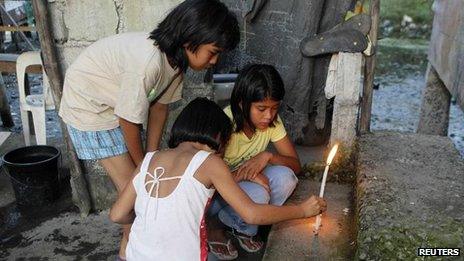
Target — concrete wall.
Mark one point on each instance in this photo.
(79, 23)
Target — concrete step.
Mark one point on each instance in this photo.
(295, 240)
(410, 191)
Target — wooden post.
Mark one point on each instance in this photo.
(80, 192)
(2, 33)
(435, 108)
(346, 103)
(5, 113)
(369, 69)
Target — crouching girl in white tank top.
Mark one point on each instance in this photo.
(171, 190)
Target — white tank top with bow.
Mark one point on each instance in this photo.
(172, 227)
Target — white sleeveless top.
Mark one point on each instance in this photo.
(173, 227)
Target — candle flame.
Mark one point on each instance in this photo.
(332, 153)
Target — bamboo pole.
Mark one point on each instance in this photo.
(17, 26)
(80, 193)
(369, 69)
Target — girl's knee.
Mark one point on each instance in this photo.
(256, 192)
(283, 182)
(261, 196)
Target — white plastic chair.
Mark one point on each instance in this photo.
(35, 103)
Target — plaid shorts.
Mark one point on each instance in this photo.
(93, 145)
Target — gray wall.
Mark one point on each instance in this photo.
(79, 23)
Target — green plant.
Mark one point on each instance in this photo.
(342, 169)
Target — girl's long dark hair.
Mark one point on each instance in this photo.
(192, 23)
(201, 121)
(254, 83)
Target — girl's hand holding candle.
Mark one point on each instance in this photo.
(313, 206)
(332, 153)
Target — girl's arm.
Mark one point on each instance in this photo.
(122, 211)
(286, 155)
(218, 174)
(156, 120)
(131, 133)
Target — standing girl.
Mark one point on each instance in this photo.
(266, 177)
(120, 82)
(170, 193)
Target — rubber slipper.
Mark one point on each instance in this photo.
(360, 22)
(242, 238)
(350, 40)
(233, 254)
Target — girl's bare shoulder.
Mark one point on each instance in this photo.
(214, 162)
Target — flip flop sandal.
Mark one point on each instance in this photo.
(221, 256)
(360, 22)
(241, 238)
(349, 40)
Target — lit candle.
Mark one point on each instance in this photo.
(332, 153)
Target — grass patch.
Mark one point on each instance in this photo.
(393, 11)
(419, 10)
(409, 44)
(342, 169)
(400, 58)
